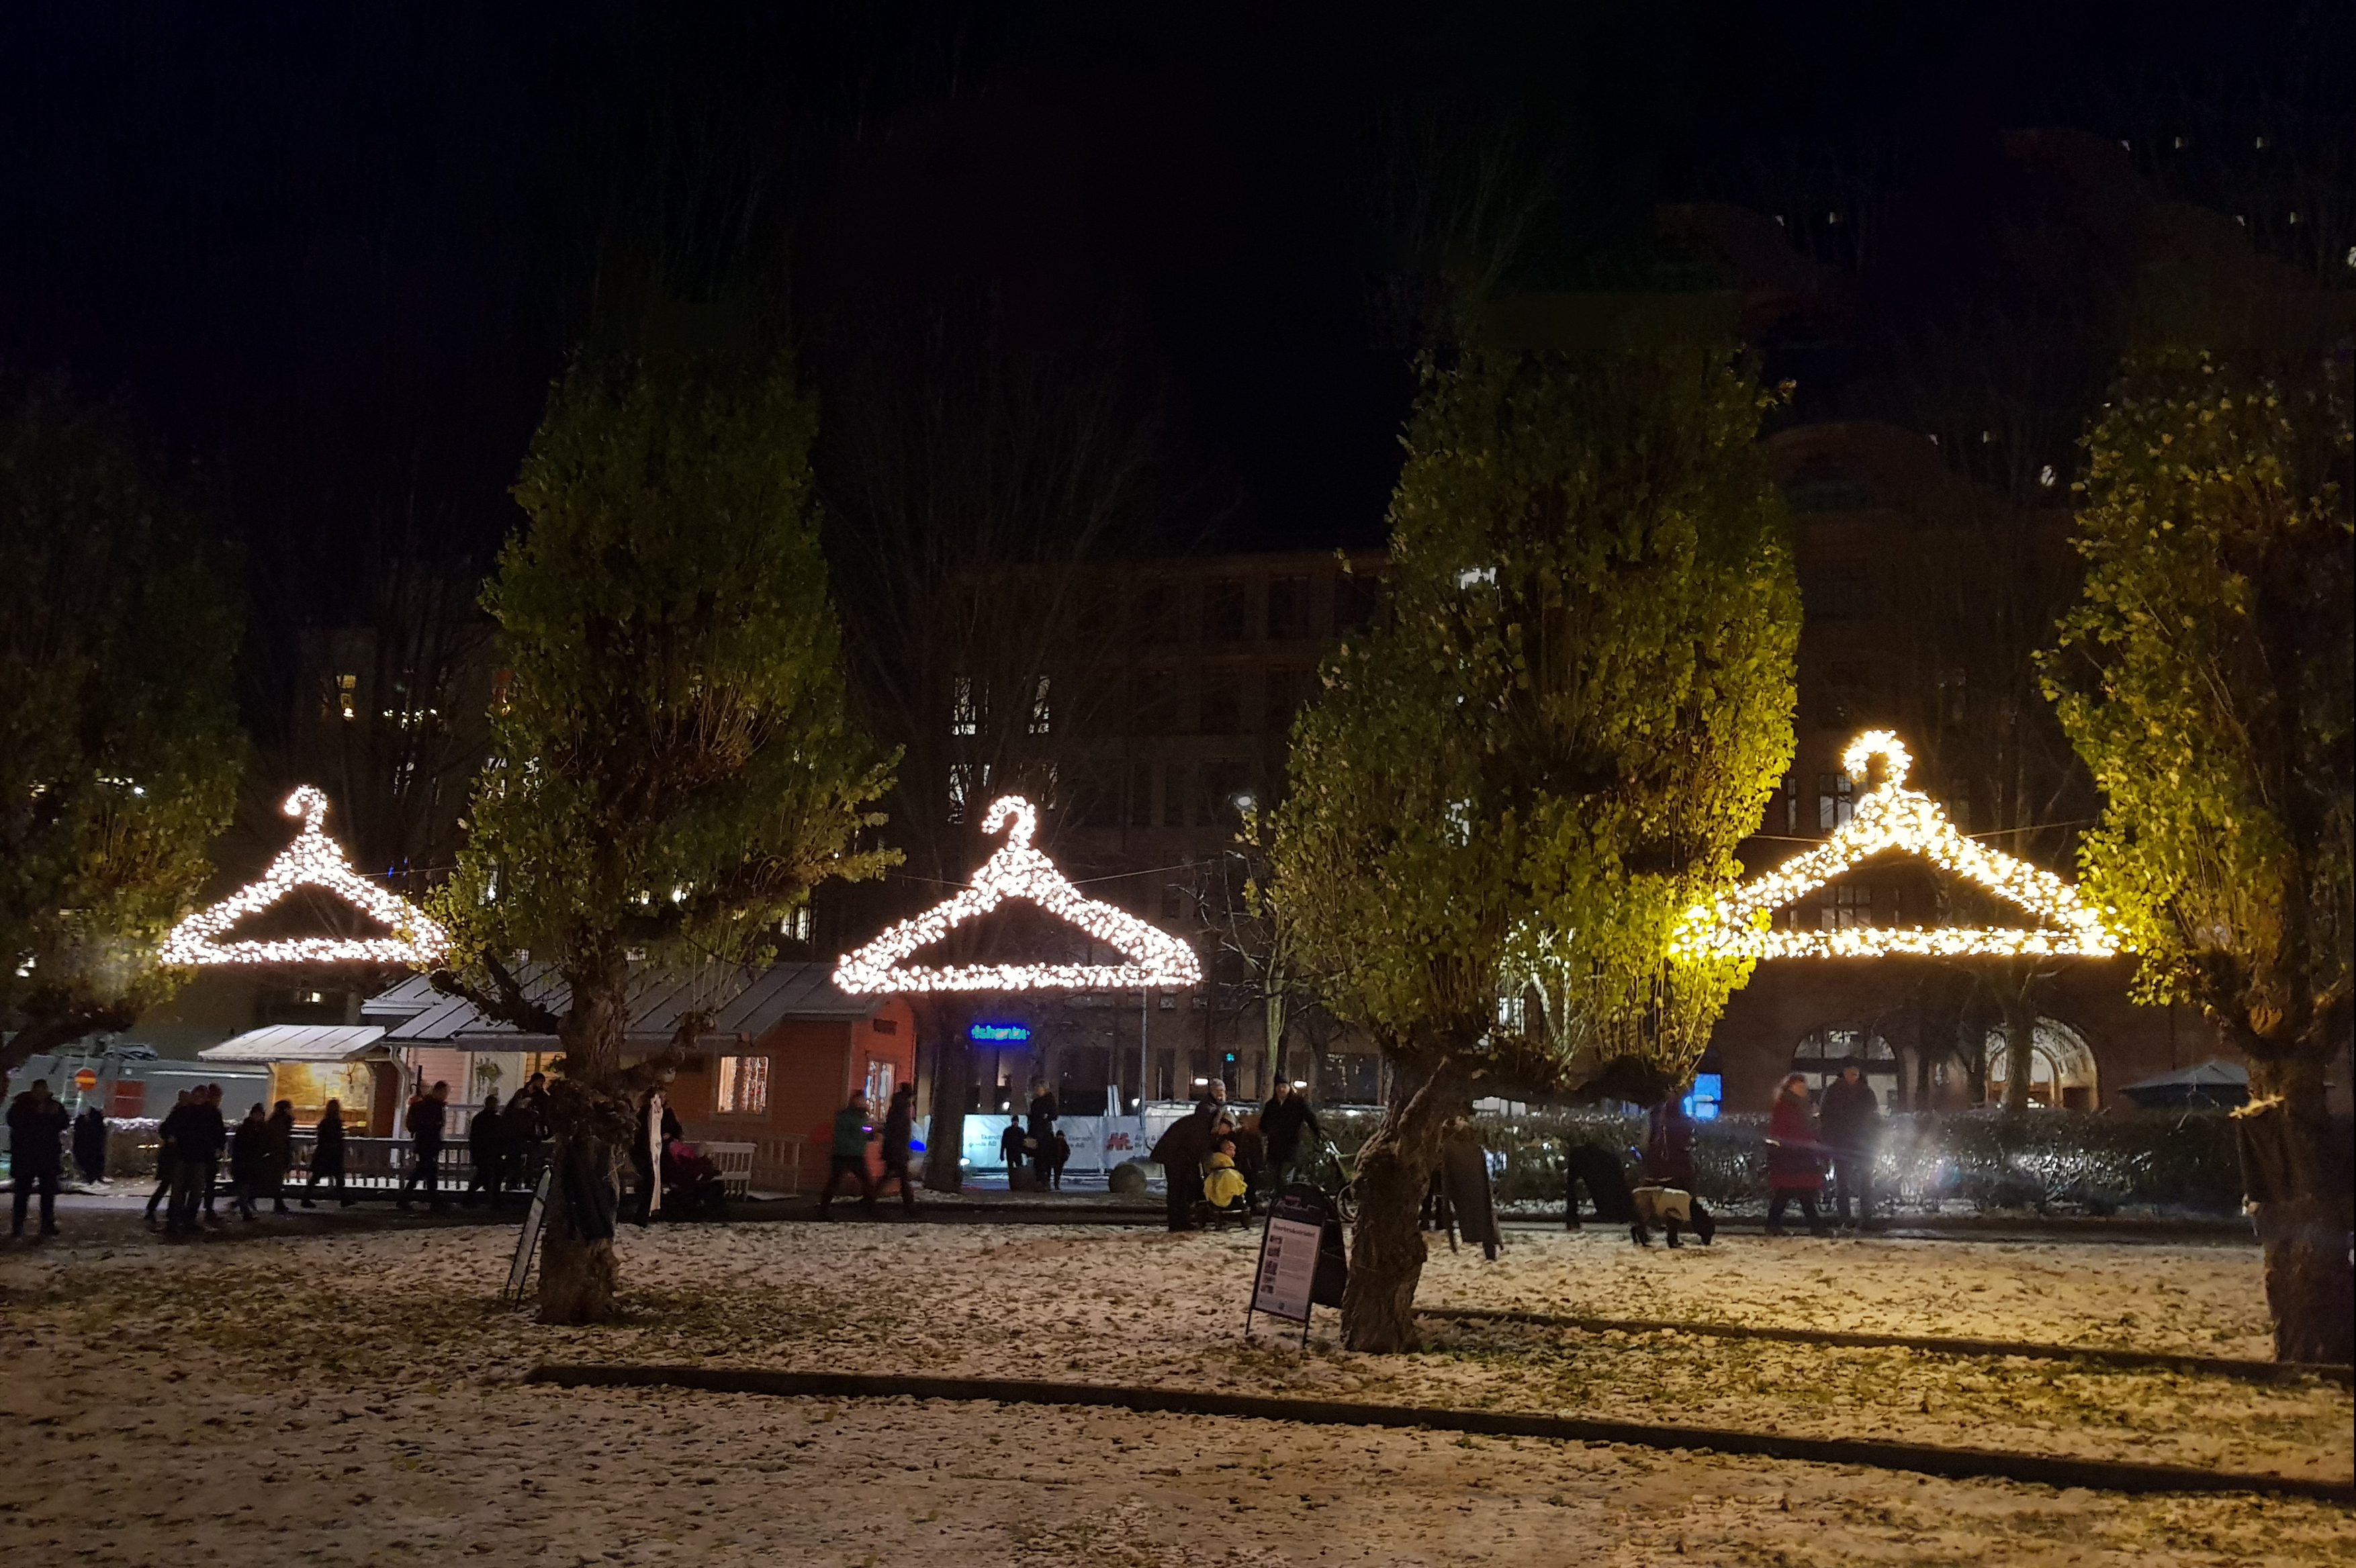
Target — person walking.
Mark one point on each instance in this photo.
(1795, 1160)
(327, 1154)
(1851, 1115)
(1180, 1152)
(249, 1161)
(216, 1129)
(1009, 1150)
(1669, 1162)
(36, 1153)
(899, 1132)
(849, 1158)
(192, 1138)
(1043, 1128)
(525, 1123)
(1283, 1122)
(165, 1155)
(486, 1151)
(1060, 1149)
(278, 1154)
(90, 1143)
(427, 1118)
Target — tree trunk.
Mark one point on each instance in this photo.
(578, 1273)
(946, 1019)
(1273, 1019)
(2296, 1172)
(1386, 1245)
(2020, 1036)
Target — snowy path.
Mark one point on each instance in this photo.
(411, 1426)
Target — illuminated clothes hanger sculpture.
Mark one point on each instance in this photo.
(314, 859)
(1895, 818)
(1019, 872)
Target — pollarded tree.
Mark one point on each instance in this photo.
(119, 747)
(1574, 707)
(2205, 677)
(675, 768)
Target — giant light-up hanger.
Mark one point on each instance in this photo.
(1891, 817)
(315, 860)
(1018, 871)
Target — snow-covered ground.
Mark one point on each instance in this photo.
(355, 1398)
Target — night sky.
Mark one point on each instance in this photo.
(326, 259)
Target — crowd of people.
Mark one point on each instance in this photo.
(1214, 1160)
(507, 1145)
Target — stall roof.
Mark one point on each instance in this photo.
(2205, 1075)
(405, 1000)
(744, 1004)
(299, 1043)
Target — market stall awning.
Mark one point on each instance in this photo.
(2223, 1084)
(299, 1043)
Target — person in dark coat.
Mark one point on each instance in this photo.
(1043, 1126)
(1851, 1118)
(525, 1122)
(166, 1157)
(899, 1133)
(1180, 1153)
(1796, 1159)
(1283, 1121)
(327, 1154)
(849, 1158)
(90, 1143)
(1669, 1162)
(1010, 1148)
(280, 1154)
(191, 1136)
(216, 1129)
(427, 1118)
(249, 1161)
(37, 1152)
(487, 1150)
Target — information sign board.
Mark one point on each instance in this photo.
(1285, 1282)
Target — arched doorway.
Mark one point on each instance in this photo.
(2062, 1072)
(1822, 1053)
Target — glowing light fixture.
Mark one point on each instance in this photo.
(1018, 871)
(1893, 816)
(314, 859)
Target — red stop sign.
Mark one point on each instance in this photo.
(85, 1081)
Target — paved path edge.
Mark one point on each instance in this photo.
(2237, 1367)
(1919, 1458)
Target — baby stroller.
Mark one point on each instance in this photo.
(692, 1186)
(1226, 1195)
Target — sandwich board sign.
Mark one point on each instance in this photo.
(534, 1219)
(1285, 1282)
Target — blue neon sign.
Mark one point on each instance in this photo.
(999, 1032)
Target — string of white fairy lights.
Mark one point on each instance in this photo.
(1016, 870)
(314, 859)
(1891, 817)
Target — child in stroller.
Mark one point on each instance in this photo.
(1225, 1191)
(691, 1182)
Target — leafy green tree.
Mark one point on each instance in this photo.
(119, 747)
(675, 770)
(1574, 707)
(2205, 678)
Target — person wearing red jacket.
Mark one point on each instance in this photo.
(1796, 1159)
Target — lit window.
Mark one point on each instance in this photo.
(1041, 715)
(348, 695)
(963, 716)
(743, 1086)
